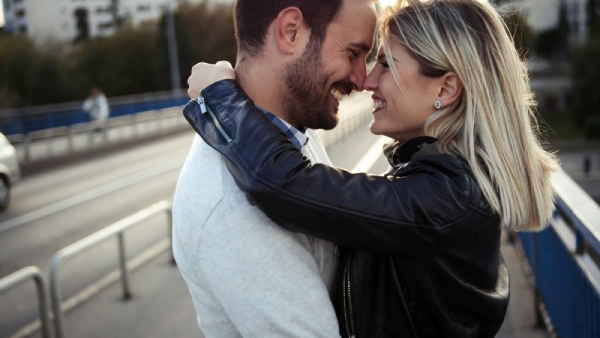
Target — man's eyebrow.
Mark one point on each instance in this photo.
(360, 46)
(380, 57)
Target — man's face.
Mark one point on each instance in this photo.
(316, 82)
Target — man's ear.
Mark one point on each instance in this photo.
(290, 31)
(451, 87)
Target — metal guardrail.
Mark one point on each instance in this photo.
(115, 229)
(21, 276)
(27, 119)
(81, 137)
(564, 261)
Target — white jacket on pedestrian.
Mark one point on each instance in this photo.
(97, 107)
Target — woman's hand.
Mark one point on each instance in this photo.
(205, 74)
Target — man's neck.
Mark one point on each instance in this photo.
(262, 85)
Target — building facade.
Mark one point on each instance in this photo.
(66, 20)
(545, 14)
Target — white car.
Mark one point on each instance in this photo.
(10, 172)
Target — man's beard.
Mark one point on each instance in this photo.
(307, 98)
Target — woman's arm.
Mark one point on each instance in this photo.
(410, 216)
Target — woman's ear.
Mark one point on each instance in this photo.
(290, 31)
(450, 89)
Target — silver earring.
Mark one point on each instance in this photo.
(437, 104)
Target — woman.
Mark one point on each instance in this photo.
(421, 244)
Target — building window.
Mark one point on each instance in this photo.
(105, 26)
(23, 29)
(20, 14)
(143, 8)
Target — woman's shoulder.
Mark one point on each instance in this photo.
(447, 185)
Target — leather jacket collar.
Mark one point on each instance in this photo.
(402, 152)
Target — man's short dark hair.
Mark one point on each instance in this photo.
(253, 17)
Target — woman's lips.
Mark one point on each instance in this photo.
(378, 103)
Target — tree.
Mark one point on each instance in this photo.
(585, 76)
(553, 44)
(30, 75)
(117, 18)
(122, 64)
(592, 9)
(204, 31)
(131, 61)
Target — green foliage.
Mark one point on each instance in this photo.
(559, 126)
(585, 76)
(123, 64)
(29, 75)
(199, 39)
(132, 61)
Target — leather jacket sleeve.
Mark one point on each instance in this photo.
(410, 215)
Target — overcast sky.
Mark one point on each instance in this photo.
(1, 15)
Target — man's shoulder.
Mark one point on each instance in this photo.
(314, 148)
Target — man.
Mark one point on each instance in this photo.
(97, 108)
(247, 276)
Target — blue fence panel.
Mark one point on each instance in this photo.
(25, 120)
(566, 274)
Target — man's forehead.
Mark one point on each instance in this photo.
(357, 18)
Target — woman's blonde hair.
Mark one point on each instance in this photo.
(492, 125)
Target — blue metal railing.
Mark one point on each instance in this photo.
(28, 119)
(564, 262)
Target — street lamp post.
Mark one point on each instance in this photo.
(172, 46)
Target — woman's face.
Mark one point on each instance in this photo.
(400, 113)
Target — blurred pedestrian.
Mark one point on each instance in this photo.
(97, 108)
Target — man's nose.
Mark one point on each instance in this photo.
(358, 75)
(370, 82)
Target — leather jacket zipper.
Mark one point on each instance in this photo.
(214, 118)
(347, 300)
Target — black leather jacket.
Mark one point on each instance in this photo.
(421, 247)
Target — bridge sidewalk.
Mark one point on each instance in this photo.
(161, 306)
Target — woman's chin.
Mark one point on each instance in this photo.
(374, 128)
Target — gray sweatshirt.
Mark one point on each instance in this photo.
(247, 276)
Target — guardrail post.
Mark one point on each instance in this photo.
(115, 229)
(56, 296)
(133, 118)
(104, 126)
(170, 229)
(159, 120)
(26, 147)
(16, 278)
(123, 266)
(70, 138)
